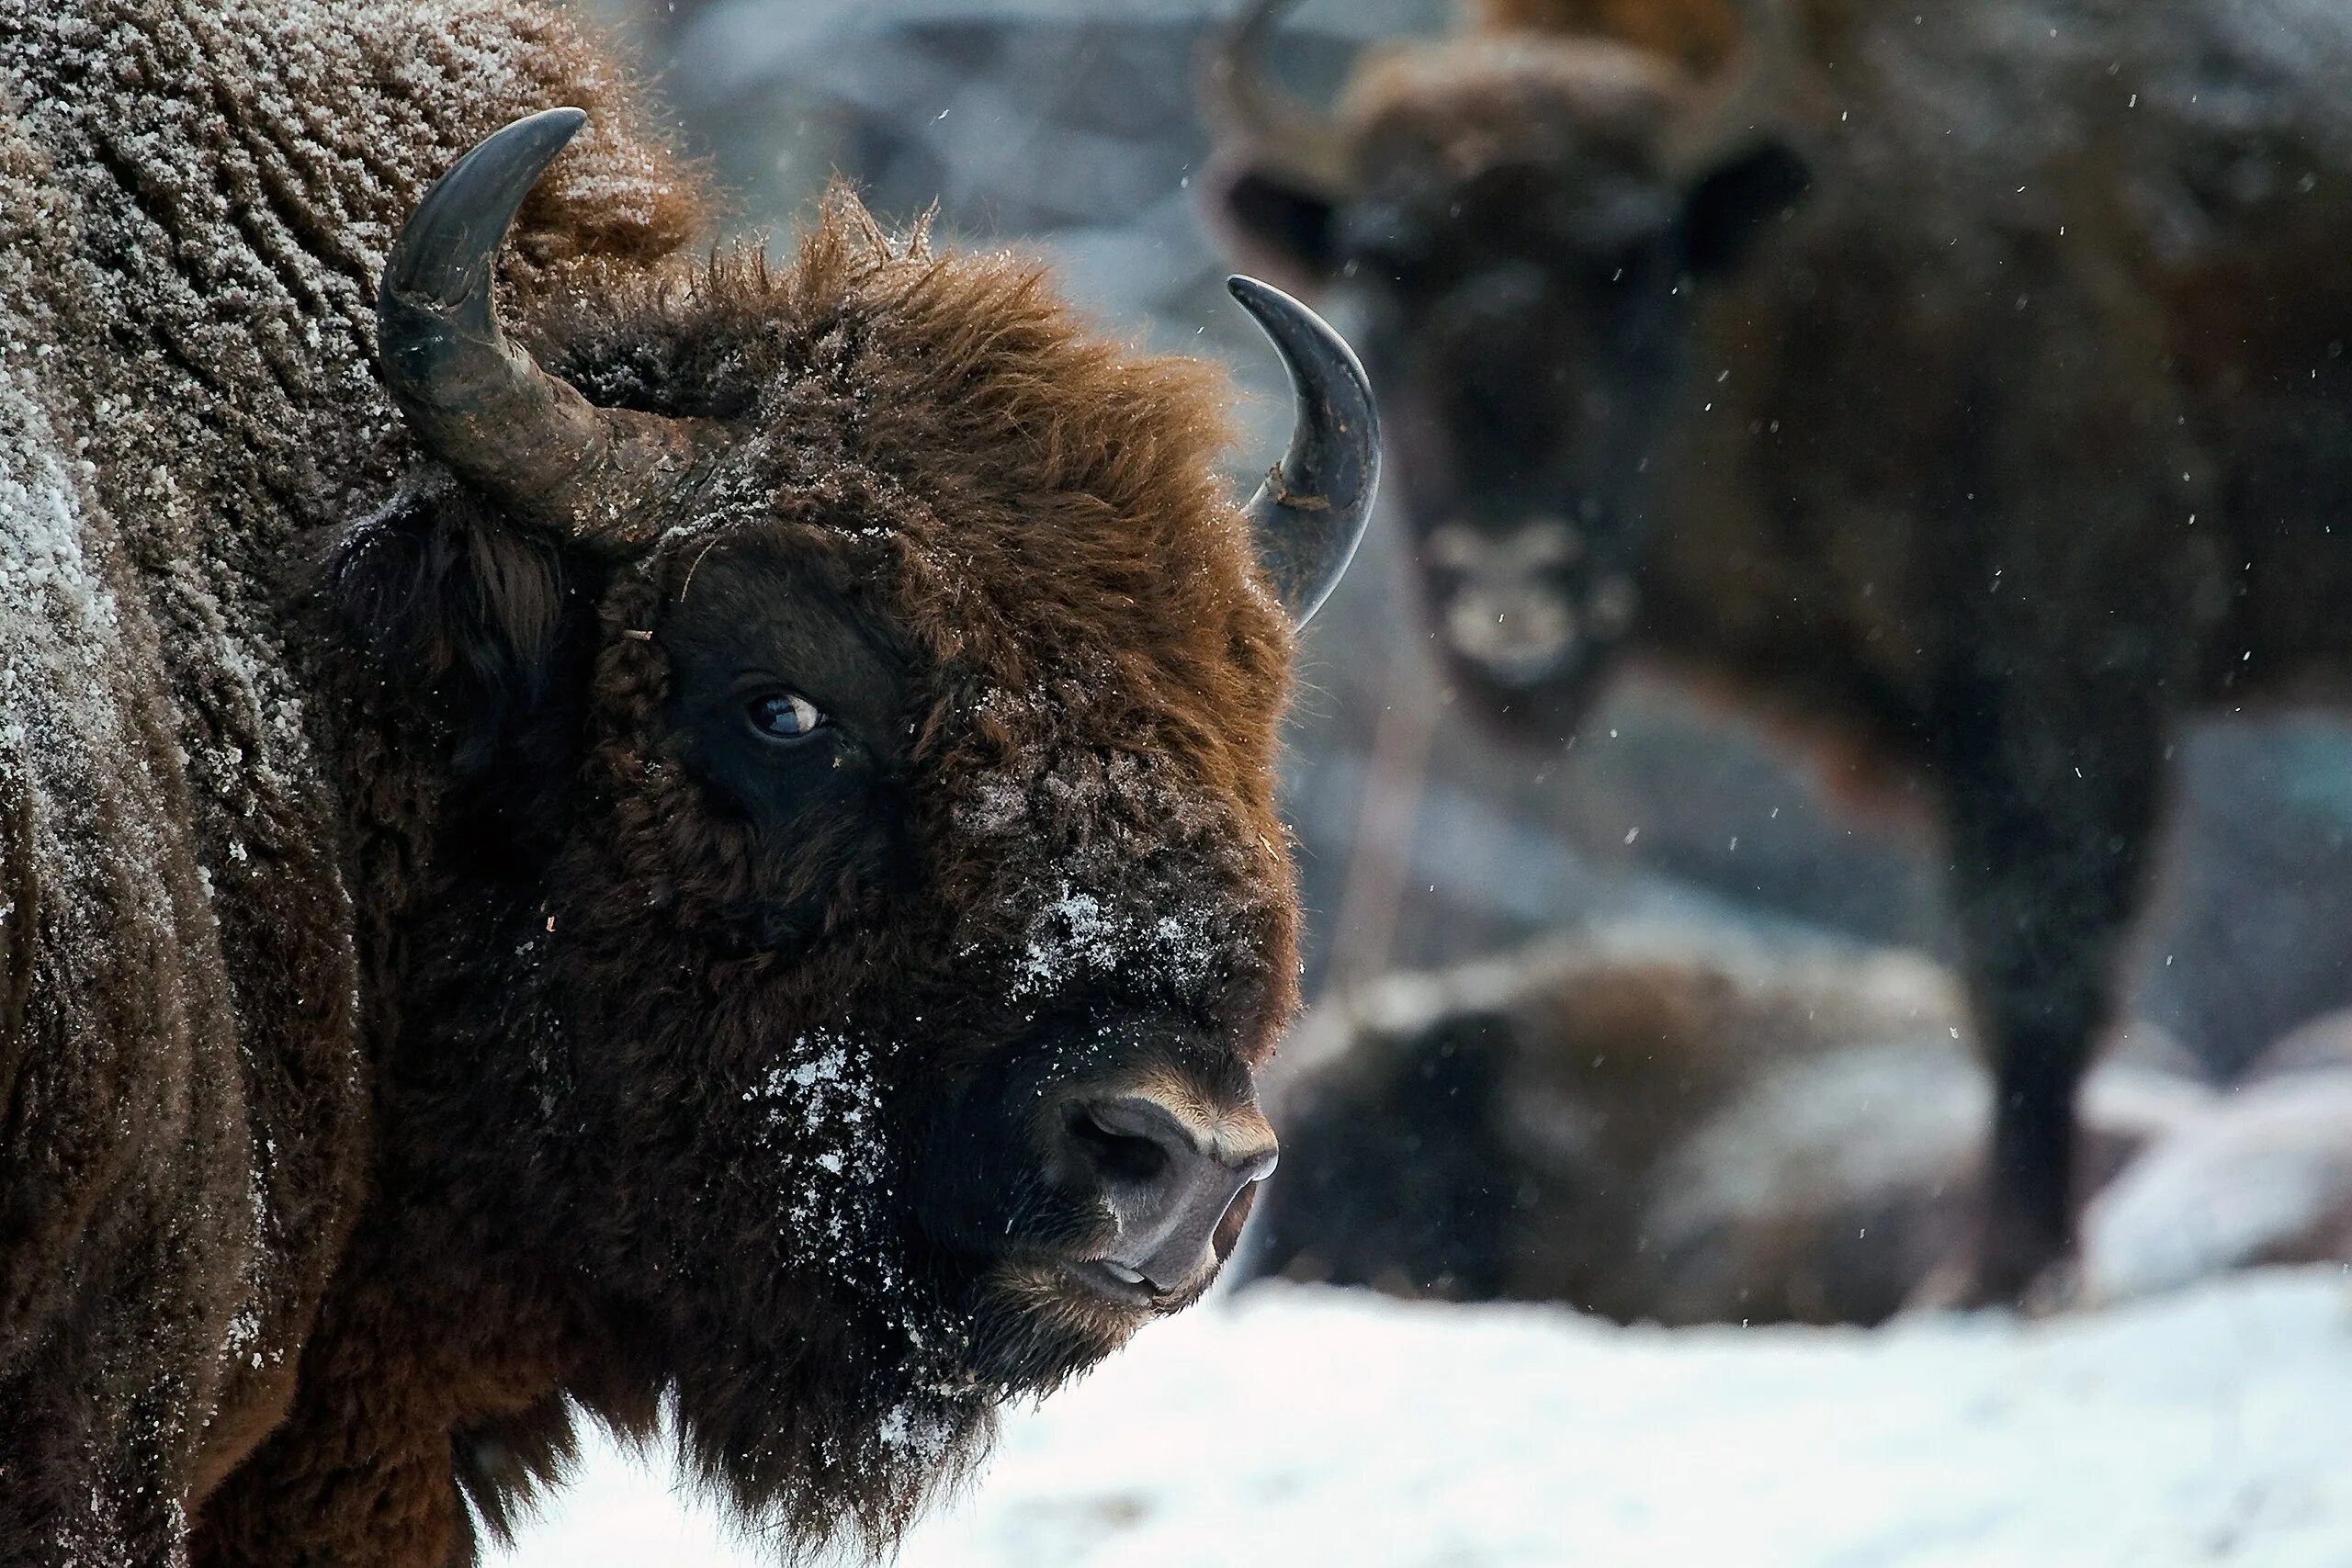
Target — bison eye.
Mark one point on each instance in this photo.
(784, 716)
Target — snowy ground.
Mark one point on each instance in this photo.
(1295, 1427)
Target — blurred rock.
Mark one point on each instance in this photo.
(2262, 1176)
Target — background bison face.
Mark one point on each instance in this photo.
(859, 905)
(1522, 225)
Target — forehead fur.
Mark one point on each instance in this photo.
(1033, 482)
(1486, 100)
(1093, 671)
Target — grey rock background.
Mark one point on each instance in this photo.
(1067, 127)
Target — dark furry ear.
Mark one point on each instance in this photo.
(1733, 201)
(464, 610)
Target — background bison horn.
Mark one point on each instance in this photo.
(524, 437)
(1249, 108)
(1310, 513)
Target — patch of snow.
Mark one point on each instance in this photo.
(2264, 1176)
(1290, 1426)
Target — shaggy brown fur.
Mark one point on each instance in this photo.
(1977, 392)
(1651, 1126)
(420, 905)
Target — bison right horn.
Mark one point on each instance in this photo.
(1309, 515)
(526, 439)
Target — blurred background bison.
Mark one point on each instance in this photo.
(1965, 387)
(1657, 1125)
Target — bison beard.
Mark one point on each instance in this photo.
(741, 872)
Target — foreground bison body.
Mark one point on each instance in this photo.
(1966, 378)
(1652, 1127)
(757, 884)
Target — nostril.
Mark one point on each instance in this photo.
(1129, 1157)
(1173, 1174)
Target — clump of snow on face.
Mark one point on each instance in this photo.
(917, 1434)
(829, 1156)
(1071, 933)
(1073, 937)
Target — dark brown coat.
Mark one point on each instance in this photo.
(424, 1006)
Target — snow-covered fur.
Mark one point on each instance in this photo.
(1653, 1125)
(369, 888)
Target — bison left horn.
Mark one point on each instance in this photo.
(1309, 515)
(526, 439)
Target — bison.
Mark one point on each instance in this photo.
(1964, 383)
(598, 824)
(1653, 1125)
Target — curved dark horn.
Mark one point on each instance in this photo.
(525, 438)
(1245, 105)
(1309, 515)
(1747, 96)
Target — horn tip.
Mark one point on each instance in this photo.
(1255, 295)
(558, 125)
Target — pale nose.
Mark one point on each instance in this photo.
(1168, 1173)
(1520, 632)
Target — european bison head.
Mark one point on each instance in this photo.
(1523, 220)
(860, 906)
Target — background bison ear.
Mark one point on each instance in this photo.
(463, 611)
(1280, 226)
(1735, 200)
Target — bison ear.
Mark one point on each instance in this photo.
(463, 611)
(1733, 202)
(1282, 225)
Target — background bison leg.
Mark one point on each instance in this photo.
(2069, 594)
(2051, 829)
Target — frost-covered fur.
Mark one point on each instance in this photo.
(363, 892)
